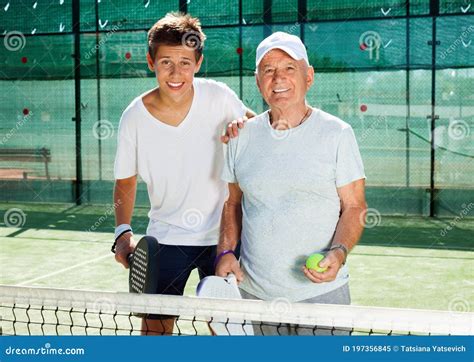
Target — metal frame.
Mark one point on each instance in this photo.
(304, 20)
(267, 19)
(407, 98)
(98, 76)
(434, 11)
(76, 24)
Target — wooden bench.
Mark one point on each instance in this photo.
(27, 155)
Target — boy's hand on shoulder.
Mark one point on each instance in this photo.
(232, 129)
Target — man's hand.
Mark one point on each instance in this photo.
(333, 261)
(229, 264)
(232, 129)
(125, 245)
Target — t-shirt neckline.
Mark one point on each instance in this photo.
(164, 125)
(293, 129)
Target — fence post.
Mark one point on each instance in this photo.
(76, 28)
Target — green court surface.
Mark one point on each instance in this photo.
(401, 262)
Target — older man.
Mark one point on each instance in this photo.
(296, 187)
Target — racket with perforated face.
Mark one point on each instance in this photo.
(143, 262)
(224, 288)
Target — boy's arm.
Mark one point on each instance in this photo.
(124, 201)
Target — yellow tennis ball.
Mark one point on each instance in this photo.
(313, 262)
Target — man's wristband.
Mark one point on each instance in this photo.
(343, 248)
(221, 254)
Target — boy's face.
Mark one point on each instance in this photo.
(174, 67)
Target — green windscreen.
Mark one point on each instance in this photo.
(385, 67)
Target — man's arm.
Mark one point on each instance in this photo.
(348, 230)
(124, 201)
(231, 227)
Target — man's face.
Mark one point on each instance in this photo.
(174, 67)
(282, 80)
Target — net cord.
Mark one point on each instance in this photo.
(277, 311)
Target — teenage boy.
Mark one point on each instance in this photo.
(170, 137)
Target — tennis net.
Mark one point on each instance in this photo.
(46, 311)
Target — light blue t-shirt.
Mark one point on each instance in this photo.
(290, 204)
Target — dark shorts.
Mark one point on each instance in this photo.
(175, 264)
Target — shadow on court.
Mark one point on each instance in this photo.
(392, 231)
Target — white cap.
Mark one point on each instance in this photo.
(290, 44)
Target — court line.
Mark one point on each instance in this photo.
(108, 255)
(28, 238)
(418, 256)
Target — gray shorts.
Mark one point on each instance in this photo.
(340, 295)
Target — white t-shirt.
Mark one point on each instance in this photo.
(180, 165)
